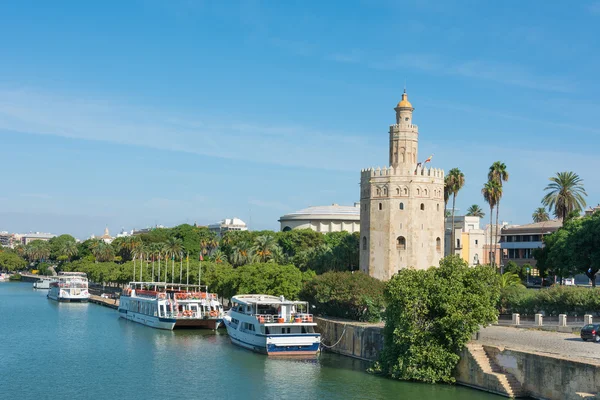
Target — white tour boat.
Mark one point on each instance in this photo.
(272, 325)
(170, 306)
(4, 277)
(70, 287)
(43, 283)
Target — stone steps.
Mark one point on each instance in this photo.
(510, 385)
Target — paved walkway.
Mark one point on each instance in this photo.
(565, 345)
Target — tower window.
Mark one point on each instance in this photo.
(401, 243)
(380, 206)
(405, 191)
(378, 192)
(385, 191)
(402, 206)
(364, 243)
(397, 191)
(418, 192)
(425, 192)
(438, 244)
(422, 207)
(438, 207)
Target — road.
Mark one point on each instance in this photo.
(565, 345)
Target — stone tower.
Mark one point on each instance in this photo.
(402, 206)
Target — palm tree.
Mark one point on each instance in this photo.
(263, 247)
(218, 256)
(475, 211)
(509, 279)
(240, 254)
(565, 194)
(455, 182)
(154, 250)
(499, 174)
(69, 249)
(490, 195)
(174, 247)
(540, 215)
(102, 251)
(446, 196)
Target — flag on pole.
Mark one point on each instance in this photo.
(429, 159)
(201, 258)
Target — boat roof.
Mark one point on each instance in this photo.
(168, 284)
(263, 299)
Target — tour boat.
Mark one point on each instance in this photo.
(69, 287)
(43, 283)
(170, 306)
(272, 325)
(4, 277)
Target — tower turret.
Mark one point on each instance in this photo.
(404, 136)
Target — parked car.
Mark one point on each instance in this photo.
(591, 332)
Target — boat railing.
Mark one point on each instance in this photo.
(195, 296)
(295, 318)
(73, 285)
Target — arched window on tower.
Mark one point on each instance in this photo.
(364, 243)
(418, 192)
(402, 206)
(380, 206)
(378, 192)
(401, 243)
(385, 191)
(438, 206)
(422, 207)
(438, 244)
(398, 191)
(405, 191)
(425, 192)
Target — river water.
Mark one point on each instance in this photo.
(51, 350)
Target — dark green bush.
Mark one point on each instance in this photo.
(351, 295)
(552, 301)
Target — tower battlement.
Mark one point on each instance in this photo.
(400, 171)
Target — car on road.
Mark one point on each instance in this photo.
(591, 332)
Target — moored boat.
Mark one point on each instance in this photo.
(69, 287)
(272, 325)
(43, 283)
(169, 306)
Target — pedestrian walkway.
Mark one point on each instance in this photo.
(565, 345)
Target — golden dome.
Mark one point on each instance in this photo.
(404, 102)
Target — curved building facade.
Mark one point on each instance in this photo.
(333, 218)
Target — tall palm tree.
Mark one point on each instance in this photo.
(499, 174)
(490, 194)
(475, 211)
(102, 251)
(446, 196)
(456, 180)
(174, 248)
(565, 194)
(509, 279)
(240, 254)
(69, 249)
(218, 256)
(540, 215)
(263, 248)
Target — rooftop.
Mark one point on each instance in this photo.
(262, 299)
(229, 221)
(351, 212)
(552, 224)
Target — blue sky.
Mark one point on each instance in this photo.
(132, 113)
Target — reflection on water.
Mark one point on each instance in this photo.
(75, 350)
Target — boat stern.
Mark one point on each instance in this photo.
(293, 345)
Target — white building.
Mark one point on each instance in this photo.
(333, 218)
(30, 237)
(228, 224)
(470, 239)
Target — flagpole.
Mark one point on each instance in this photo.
(187, 272)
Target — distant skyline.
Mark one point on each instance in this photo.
(131, 114)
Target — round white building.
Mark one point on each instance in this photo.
(333, 218)
(402, 206)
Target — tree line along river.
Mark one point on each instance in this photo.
(53, 350)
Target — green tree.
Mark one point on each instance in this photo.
(38, 250)
(540, 215)
(57, 244)
(564, 194)
(268, 278)
(240, 254)
(263, 248)
(475, 211)
(499, 174)
(102, 251)
(68, 250)
(352, 295)
(491, 192)
(431, 314)
(509, 279)
(455, 182)
(11, 261)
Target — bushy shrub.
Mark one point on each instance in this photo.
(431, 314)
(552, 301)
(15, 277)
(351, 295)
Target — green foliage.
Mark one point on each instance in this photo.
(565, 193)
(573, 249)
(43, 269)
(15, 277)
(268, 278)
(431, 314)
(38, 250)
(508, 279)
(355, 296)
(514, 268)
(552, 301)
(11, 261)
(58, 244)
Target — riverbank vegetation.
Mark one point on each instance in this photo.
(552, 301)
(431, 314)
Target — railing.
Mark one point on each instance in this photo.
(194, 296)
(295, 318)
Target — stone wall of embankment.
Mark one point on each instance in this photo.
(540, 376)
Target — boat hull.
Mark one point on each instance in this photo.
(275, 345)
(148, 320)
(68, 299)
(209, 323)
